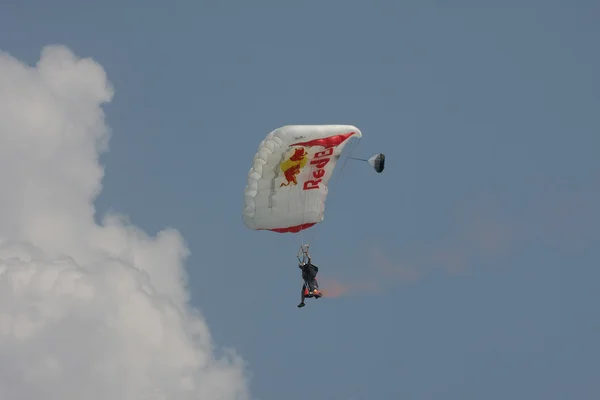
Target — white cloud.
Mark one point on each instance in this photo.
(86, 311)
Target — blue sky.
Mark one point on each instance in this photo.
(485, 221)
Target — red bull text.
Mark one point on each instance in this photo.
(293, 165)
(320, 160)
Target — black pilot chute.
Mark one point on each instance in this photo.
(377, 162)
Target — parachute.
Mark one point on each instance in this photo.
(288, 182)
(377, 162)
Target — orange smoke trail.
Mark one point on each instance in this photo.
(335, 289)
(565, 221)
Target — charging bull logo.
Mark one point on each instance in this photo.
(292, 166)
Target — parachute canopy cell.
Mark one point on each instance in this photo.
(378, 162)
(287, 184)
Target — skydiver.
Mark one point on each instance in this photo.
(309, 275)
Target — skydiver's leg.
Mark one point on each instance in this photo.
(315, 283)
(302, 297)
(312, 279)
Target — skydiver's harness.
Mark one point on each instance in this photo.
(304, 258)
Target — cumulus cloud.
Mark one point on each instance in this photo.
(87, 311)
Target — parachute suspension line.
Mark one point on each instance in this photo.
(299, 235)
(354, 158)
(305, 207)
(304, 252)
(350, 148)
(303, 196)
(308, 238)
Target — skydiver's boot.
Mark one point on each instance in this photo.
(301, 305)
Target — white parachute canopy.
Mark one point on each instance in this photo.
(287, 184)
